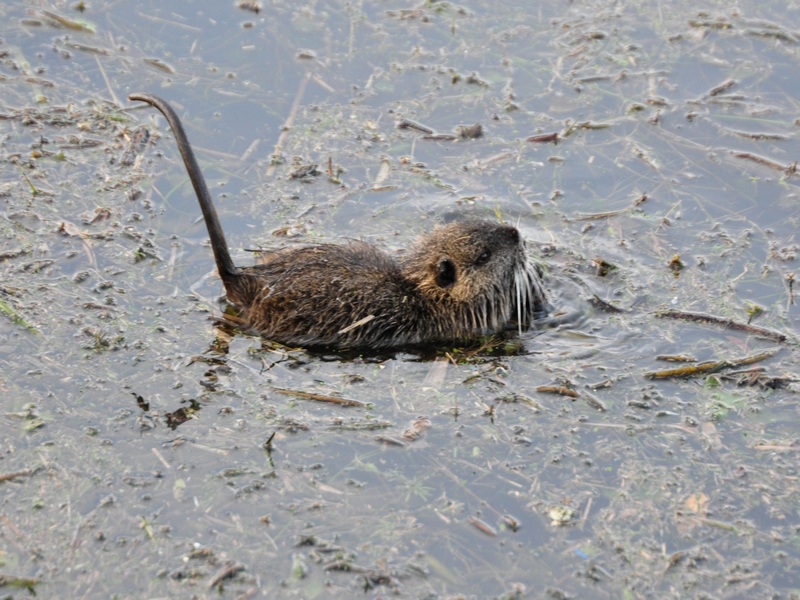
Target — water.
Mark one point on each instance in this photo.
(107, 287)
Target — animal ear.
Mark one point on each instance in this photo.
(447, 273)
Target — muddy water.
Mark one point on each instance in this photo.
(146, 452)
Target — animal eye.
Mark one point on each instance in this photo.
(447, 274)
(483, 258)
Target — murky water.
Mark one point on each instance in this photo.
(133, 431)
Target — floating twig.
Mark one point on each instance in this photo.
(762, 136)
(319, 397)
(440, 137)
(467, 132)
(767, 162)
(15, 474)
(227, 572)
(409, 124)
(722, 87)
(23, 583)
(370, 425)
(557, 389)
(790, 447)
(482, 526)
(544, 137)
(769, 32)
(68, 23)
(160, 65)
(719, 23)
(711, 366)
(676, 358)
(390, 441)
(606, 383)
(573, 126)
(611, 213)
(593, 401)
(730, 323)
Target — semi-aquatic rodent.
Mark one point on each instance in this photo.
(460, 281)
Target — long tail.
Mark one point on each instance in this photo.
(227, 270)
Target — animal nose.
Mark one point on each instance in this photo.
(510, 234)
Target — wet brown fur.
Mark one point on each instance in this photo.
(459, 281)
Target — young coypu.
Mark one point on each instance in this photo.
(461, 280)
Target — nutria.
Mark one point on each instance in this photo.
(460, 281)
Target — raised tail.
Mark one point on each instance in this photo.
(227, 270)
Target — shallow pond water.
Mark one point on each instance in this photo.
(646, 150)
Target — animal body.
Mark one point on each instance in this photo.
(460, 281)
